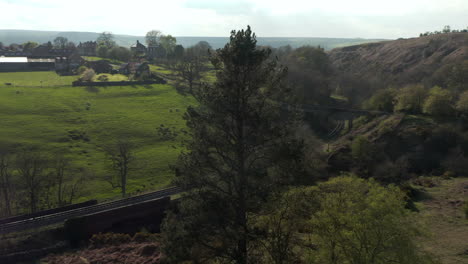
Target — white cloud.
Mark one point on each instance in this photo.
(330, 18)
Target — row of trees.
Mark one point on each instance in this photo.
(58, 43)
(240, 173)
(32, 180)
(416, 99)
(447, 29)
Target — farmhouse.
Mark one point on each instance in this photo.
(150, 51)
(100, 66)
(138, 48)
(87, 48)
(134, 68)
(68, 64)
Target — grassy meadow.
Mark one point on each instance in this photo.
(46, 118)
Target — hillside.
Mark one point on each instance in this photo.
(81, 121)
(401, 61)
(21, 36)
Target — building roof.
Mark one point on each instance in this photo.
(13, 59)
(41, 60)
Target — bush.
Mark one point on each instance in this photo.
(382, 100)
(439, 102)
(103, 78)
(410, 99)
(81, 70)
(88, 75)
(355, 214)
(106, 239)
(462, 104)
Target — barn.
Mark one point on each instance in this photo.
(15, 64)
(12, 64)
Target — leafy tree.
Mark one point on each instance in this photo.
(119, 53)
(106, 39)
(60, 42)
(284, 221)
(410, 99)
(462, 104)
(102, 51)
(446, 29)
(382, 100)
(439, 102)
(168, 42)
(153, 37)
(179, 52)
(236, 158)
(30, 45)
(309, 71)
(202, 50)
(382, 231)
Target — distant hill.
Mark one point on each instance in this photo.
(21, 36)
(401, 61)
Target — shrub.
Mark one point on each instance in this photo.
(438, 103)
(410, 99)
(88, 75)
(81, 70)
(382, 100)
(462, 104)
(103, 78)
(354, 214)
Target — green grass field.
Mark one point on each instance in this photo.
(18, 79)
(44, 118)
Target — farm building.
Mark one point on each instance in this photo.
(14, 64)
(68, 64)
(134, 68)
(9, 64)
(87, 48)
(100, 66)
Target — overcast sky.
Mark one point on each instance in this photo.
(268, 18)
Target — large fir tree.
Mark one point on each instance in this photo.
(241, 152)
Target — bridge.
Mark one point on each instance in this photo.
(47, 219)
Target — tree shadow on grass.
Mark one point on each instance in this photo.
(92, 89)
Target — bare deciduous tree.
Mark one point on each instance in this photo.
(31, 168)
(122, 157)
(189, 69)
(5, 182)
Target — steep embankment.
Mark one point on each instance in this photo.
(402, 61)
